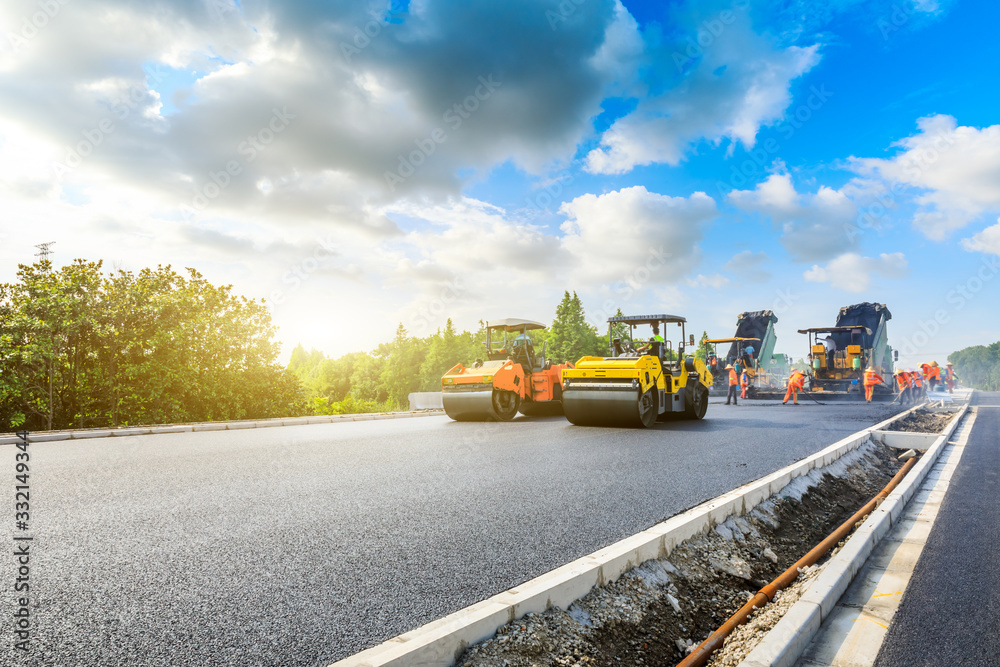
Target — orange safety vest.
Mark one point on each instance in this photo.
(902, 380)
(949, 373)
(872, 378)
(917, 380)
(796, 379)
(744, 380)
(733, 379)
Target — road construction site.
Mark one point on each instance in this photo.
(303, 545)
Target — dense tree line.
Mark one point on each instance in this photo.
(383, 378)
(978, 366)
(80, 348)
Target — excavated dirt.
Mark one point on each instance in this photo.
(656, 613)
(922, 421)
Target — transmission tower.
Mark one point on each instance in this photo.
(44, 251)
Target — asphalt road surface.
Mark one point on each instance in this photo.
(950, 612)
(302, 545)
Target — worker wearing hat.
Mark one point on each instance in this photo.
(871, 379)
(950, 378)
(903, 380)
(796, 381)
(734, 383)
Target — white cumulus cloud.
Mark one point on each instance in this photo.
(954, 169)
(853, 273)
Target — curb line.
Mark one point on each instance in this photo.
(83, 434)
(788, 639)
(441, 642)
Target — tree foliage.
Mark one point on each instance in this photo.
(80, 349)
(570, 336)
(978, 366)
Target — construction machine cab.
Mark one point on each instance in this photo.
(663, 350)
(508, 339)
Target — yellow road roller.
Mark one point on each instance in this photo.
(640, 382)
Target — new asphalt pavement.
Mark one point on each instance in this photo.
(950, 612)
(301, 545)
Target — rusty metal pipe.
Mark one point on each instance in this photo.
(701, 655)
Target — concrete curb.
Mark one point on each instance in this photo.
(785, 643)
(441, 642)
(50, 436)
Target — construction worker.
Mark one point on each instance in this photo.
(871, 380)
(935, 374)
(903, 380)
(925, 375)
(744, 383)
(655, 338)
(950, 378)
(917, 381)
(734, 382)
(796, 381)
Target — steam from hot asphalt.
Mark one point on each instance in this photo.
(302, 545)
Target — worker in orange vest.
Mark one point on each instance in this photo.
(795, 384)
(734, 382)
(935, 374)
(950, 377)
(903, 380)
(925, 373)
(744, 383)
(918, 384)
(871, 379)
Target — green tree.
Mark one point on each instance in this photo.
(978, 366)
(704, 347)
(570, 336)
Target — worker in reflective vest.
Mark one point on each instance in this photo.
(734, 383)
(903, 380)
(950, 377)
(744, 383)
(796, 381)
(871, 379)
(917, 381)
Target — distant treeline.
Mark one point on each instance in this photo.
(84, 348)
(978, 366)
(383, 378)
(80, 348)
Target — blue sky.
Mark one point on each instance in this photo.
(379, 163)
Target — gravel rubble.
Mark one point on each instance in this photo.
(662, 609)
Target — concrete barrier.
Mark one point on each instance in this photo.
(785, 643)
(426, 400)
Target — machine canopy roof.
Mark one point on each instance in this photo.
(514, 324)
(647, 319)
(835, 330)
(731, 340)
